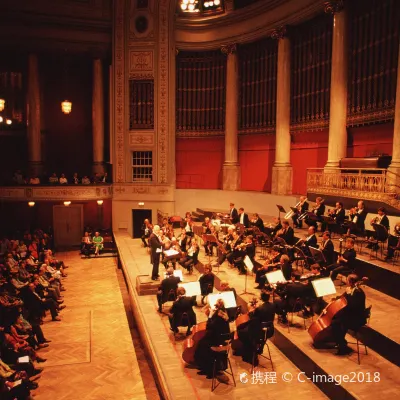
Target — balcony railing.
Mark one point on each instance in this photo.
(57, 192)
(372, 184)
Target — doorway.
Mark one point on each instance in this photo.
(138, 216)
(68, 225)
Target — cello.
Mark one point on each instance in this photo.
(241, 321)
(190, 344)
(321, 329)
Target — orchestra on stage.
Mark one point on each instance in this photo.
(291, 273)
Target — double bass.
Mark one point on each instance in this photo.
(321, 329)
(191, 343)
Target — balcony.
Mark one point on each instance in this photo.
(377, 185)
(56, 192)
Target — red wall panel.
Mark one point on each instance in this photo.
(308, 150)
(199, 162)
(256, 157)
(370, 140)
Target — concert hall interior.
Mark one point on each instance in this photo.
(199, 199)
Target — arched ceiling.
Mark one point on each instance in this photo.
(243, 25)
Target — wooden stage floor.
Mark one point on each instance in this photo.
(182, 382)
(91, 355)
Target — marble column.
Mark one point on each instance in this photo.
(282, 168)
(34, 131)
(231, 168)
(98, 117)
(337, 147)
(395, 165)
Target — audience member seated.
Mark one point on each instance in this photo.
(34, 180)
(63, 179)
(53, 178)
(85, 180)
(75, 179)
(98, 243)
(167, 290)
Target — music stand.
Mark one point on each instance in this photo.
(323, 287)
(228, 298)
(171, 255)
(192, 288)
(317, 255)
(275, 277)
(281, 210)
(177, 273)
(249, 265)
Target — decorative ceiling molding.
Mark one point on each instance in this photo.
(244, 25)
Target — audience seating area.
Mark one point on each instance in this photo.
(31, 285)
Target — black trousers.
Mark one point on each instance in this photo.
(155, 259)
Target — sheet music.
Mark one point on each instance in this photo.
(227, 297)
(275, 277)
(177, 273)
(192, 288)
(24, 359)
(247, 262)
(323, 287)
(171, 252)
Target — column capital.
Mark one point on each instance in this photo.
(280, 32)
(333, 6)
(229, 48)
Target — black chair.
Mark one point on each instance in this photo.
(356, 331)
(185, 322)
(221, 353)
(267, 331)
(298, 307)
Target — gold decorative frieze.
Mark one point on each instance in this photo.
(143, 192)
(81, 192)
(137, 138)
(141, 61)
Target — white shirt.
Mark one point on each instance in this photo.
(242, 218)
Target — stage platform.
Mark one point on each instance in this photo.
(291, 352)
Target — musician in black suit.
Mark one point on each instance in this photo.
(170, 283)
(217, 332)
(319, 211)
(233, 214)
(155, 251)
(251, 332)
(284, 264)
(337, 214)
(257, 222)
(382, 218)
(345, 262)
(289, 293)
(327, 248)
(353, 316)
(393, 242)
(359, 218)
(146, 228)
(302, 208)
(207, 281)
(182, 305)
(286, 232)
(311, 241)
(243, 218)
(247, 248)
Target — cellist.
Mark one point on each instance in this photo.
(350, 317)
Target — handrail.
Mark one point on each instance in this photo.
(368, 183)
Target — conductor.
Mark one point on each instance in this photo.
(155, 251)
